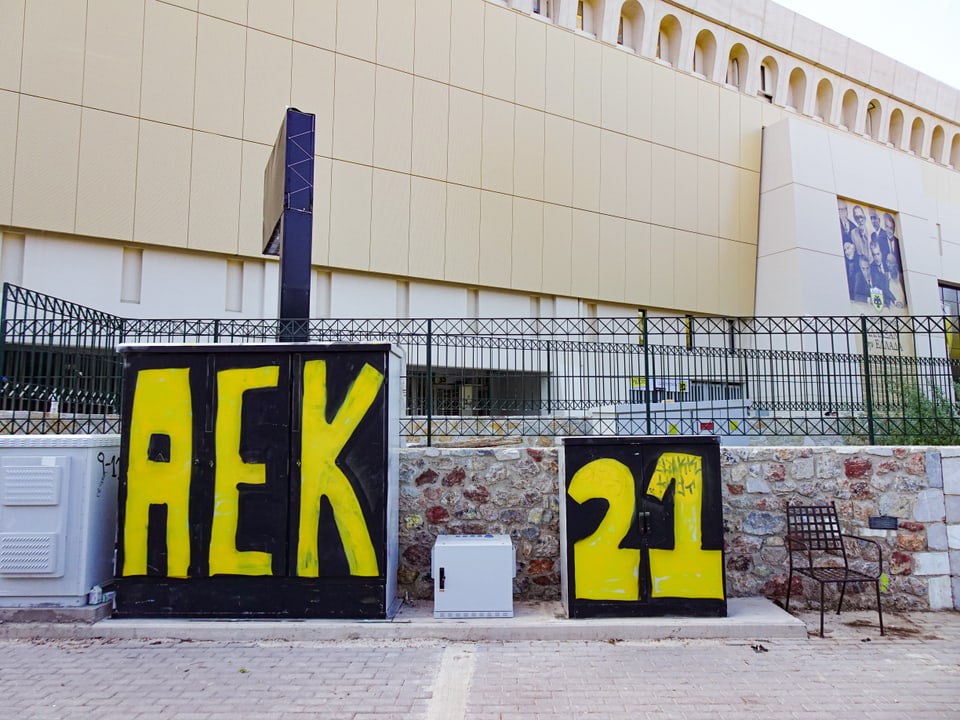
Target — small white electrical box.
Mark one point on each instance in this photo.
(473, 576)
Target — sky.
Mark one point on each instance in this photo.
(924, 34)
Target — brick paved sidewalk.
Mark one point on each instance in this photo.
(852, 673)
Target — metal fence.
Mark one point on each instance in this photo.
(837, 379)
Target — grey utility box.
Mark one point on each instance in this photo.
(473, 576)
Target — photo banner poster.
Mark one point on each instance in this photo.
(870, 242)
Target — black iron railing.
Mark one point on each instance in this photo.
(838, 379)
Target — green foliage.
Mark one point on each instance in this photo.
(925, 418)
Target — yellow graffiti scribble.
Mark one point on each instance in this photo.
(604, 571)
(161, 406)
(231, 470)
(687, 571)
(320, 476)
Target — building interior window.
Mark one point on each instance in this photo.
(620, 32)
(579, 16)
(950, 299)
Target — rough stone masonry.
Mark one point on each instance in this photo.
(515, 491)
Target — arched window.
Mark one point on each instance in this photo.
(824, 100)
(631, 25)
(797, 90)
(704, 54)
(668, 40)
(895, 135)
(768, 79)
(955, 152)
(916, 137)
(737, 66)
(936, 144)
(871, 122)
(848, 110)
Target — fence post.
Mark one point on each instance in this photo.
(646, 370)
(3, 332)
(429, 387)
(868, 394)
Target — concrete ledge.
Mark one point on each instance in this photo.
(85, 614)
(747, 618)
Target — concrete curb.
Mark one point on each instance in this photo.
(748, 618)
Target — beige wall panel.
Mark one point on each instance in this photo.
(431, 122)
(396, 24)
(685, 278)
(663, 191)
(114, 48)
(432, 50)
(557, 244)
(275, 16)
(751, 125)
(613, 173)
(527, 246)
(48, 148)
(639, 179)
(315, 22)
(611, 258)
(585, 255)
(185, 4)
(586, 167)
(708, 120)
(11, 42)
(267, 87)
(687, 191)
(322, 184)
(587, 80)
(253, 159)
(390, 225)
(749, 206)
(499, 53)
(428, 214)
(353, 106)
(107, 177)
(558, 160)
(708, 278)
(351, 188)
(531, 87)
(233, 10)
(637, 263)
(708, 197)
(53, 42)
(9, 117)
(662, 245)
(560, 61)
(639, 94)
(356, 34)
(393, 120)
(169, 59)
(528, 155)
(688, 119)
(738, 263)
(770, 114)
(466, 44)
(163, 184)
(729, 202)
(613, 98)
(465, 141)
(462, 250)
(729, 127)
(214, 193)
(663, 126)
(496, 168)
(311, 90)
(496, 231)
(221, 53)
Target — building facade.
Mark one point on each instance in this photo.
(475, 158)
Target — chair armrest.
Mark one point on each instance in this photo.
(875, 544)
(794, 544)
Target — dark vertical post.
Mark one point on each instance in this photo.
(288, 219)
(868, 379)
(646, 370)
(429, 387)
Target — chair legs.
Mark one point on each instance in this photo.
(821, 608)
(843, 589)
(789, 587)
(879, 609)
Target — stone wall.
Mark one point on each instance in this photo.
(515, 491)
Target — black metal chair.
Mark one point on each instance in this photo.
(813, 533)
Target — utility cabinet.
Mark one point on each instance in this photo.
(641, 521)
(259, 480)
(58, 517)
(473, 576)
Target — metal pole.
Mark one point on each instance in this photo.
(646, 368)
(429, 387)
(869, 381)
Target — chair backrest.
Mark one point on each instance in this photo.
(817, 526)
